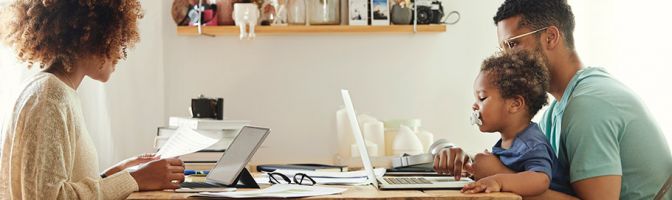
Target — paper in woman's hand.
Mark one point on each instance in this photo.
(185, 141)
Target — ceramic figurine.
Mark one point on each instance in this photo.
(281, 17)
(246, 14)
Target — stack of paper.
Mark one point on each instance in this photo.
(206, 124)
(278, 191)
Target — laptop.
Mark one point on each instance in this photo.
(406, 182)
(232, 163)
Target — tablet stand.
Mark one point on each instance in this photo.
(246, 180)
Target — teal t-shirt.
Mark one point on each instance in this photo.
(600, 128)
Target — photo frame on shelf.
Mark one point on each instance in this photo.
(358, 14)
(380, 13)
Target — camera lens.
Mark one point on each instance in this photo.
(424, 15)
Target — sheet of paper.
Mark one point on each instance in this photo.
(279, 191)
(323, 181)
(353, 174)
(328, 178)
(185, 141)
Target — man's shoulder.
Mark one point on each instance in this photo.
(602, 95)
(600, 87)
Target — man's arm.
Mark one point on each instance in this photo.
(601, 187)
(592, 139)
(551, 194)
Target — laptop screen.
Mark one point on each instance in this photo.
(237, 155)
(359, 139)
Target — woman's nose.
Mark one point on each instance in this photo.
(475, 106)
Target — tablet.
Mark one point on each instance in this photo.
(237, 156)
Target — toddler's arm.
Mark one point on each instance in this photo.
(527, 183)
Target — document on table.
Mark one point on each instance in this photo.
(278, 191)
(379, 172)
(185, 141)
(329, 178)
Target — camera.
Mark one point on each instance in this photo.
(429, 11)
(203, 107)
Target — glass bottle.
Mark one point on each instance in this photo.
(296, 12)
(324, 12)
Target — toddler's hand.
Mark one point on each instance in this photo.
(487, 185)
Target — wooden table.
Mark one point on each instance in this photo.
(360, 192)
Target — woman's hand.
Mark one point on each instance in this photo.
(160, 174)
(137, 160)
(488, 184)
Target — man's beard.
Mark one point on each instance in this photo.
(540, 53)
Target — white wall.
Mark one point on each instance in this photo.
(291, 83)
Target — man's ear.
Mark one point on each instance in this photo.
(516, 104)
(552, 38)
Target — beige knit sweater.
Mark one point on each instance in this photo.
(47, 152)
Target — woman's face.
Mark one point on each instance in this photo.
(489, 103)
(100, 68)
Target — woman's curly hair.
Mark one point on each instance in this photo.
(519, 73)
(56, 33)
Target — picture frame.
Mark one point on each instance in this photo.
(358, 14)
(380, 12)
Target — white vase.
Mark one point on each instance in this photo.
(344, 134)
(426, 138)
(407, 142)
(374, 132)
(371, 148)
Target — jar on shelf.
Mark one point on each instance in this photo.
(324, 12)
(296, 12)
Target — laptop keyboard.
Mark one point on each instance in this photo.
(408, 180)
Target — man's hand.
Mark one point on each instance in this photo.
(452, 161)
(488, 184)
(160, 174)
(137, 160)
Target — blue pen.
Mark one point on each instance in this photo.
(195, 172)
(189, 172)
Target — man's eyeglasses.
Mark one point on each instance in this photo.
(299, 178)
(510, 43)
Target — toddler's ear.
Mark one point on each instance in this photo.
(516, 104)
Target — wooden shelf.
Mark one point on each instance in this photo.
(298, 29)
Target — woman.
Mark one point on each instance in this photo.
(46, 150)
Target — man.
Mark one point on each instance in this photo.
(600, 131)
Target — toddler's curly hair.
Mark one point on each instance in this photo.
(56, 33)
(519, 73)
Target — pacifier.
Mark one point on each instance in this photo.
(476, 118)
